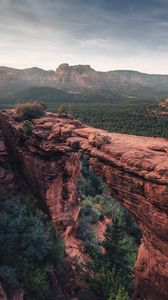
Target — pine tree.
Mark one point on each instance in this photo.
(117, 250)
(121, 295)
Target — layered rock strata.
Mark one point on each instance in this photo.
(136, 169)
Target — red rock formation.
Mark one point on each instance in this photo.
(6, 175)
(135, 168)
(79, 76)
(19, 295)
(50, 173)
(2, 293)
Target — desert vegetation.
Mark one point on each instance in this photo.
(99, 140)
(29, 110)
(27, 126)
(64, 110)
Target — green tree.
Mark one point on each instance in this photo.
(31, 251)
(27, 126)
(121, 295)
(118, 251)
(111, 273)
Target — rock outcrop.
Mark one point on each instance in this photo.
(6, 176)
(49, 173)
(134, 167)
(19, 295)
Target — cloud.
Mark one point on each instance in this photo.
(103, 33)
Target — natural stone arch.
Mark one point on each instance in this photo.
(135, 168)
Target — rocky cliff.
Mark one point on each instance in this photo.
(6, 175)
(136, 169)
(83, 77)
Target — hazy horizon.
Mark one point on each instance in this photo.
(54, 68)
(108, 35)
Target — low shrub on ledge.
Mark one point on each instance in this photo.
(29, 110)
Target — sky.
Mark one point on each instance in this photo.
(106, 34)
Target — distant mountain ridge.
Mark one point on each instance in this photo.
(83, 77)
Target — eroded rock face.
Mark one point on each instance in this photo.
(19, 295)
(48, 171)
(6, 175)
(135, 168)
(79, 76)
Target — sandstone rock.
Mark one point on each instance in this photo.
(2, 293)
(134, 167)
(55, 132)
(19, 295)
(40, 133)
(6, 175)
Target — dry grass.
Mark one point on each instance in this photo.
(29, 110)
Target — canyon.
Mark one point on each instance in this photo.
(47, 164)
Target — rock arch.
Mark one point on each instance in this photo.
(135, 168)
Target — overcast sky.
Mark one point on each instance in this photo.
(107, 34)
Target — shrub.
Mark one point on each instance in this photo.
(27, 127)
(83, 229)
(105, 139)
(100, 140)
(29, 110)
(92, 247)
(65, 111)
(62, 110)
(88, 210)
(89, 183)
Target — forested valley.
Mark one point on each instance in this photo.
(131, 115)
